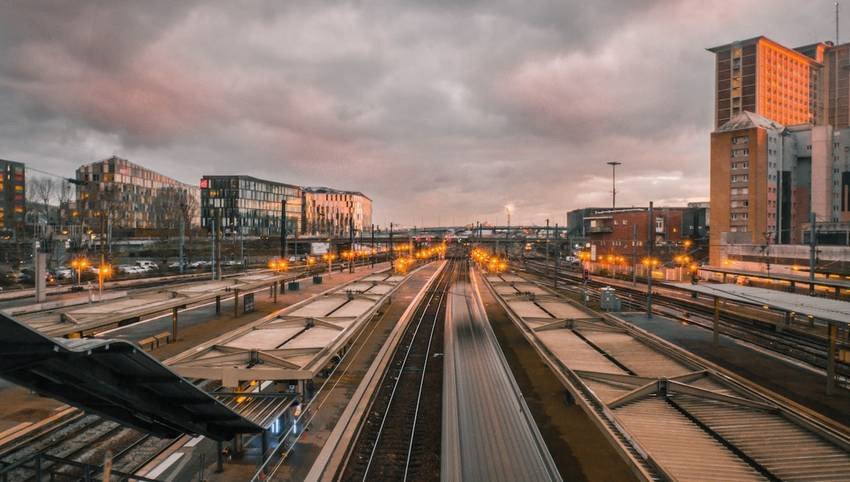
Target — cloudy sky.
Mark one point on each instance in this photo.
(442, 111)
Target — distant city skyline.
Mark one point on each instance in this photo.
(441, 113)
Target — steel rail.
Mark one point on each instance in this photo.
(442, 291)
(421, 383)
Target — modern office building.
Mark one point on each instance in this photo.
(13, 197)
(249, 205)
(332, 212)
(767, 179)
(132, 196)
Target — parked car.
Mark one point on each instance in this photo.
(200, 264)
(27, 276)
(63, 272)
(147, 265)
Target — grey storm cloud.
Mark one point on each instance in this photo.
(442, 111)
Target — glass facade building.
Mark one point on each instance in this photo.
(134, 197)
(249, 205)
(13, 195)
(334, 212)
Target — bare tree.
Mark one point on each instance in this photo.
(65, 193)
(40, 193)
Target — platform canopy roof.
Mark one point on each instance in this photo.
(114, 379)
(291, 344)
(825, 309)
(833, 283)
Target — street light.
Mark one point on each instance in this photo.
(614, 165)
(102, 272)
(79, 264)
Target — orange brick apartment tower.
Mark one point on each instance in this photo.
(761, 76)
(743, 192)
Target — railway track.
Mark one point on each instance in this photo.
(800, 346)
(397, 439)
(82, 440)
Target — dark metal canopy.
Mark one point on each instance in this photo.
(115, 379)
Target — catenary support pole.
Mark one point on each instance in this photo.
(830, 362)
(283, 229)
(546, 273)
(813, 240)
(174, 324)
(557, 258)
(634, 254)
(650, 227)
(715, 337)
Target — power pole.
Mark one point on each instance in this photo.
(372, 251)
(651, 228)
(614, 165)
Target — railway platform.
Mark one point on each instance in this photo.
(792, 381)
(325, 409)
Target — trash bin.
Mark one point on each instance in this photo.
(293, 285)
(317, 280)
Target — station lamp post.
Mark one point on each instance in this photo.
(79, 264)
(102, 272)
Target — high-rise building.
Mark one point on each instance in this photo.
(13, 196)
(249, 205)
(333, 212)
(133, 197)
(767, 178)
(761, 76)
(838, 109)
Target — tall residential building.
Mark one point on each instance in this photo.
(249, 205)
(331, 212)
(13, 197)
(761, 76)
(766, 178)
(133, 197)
